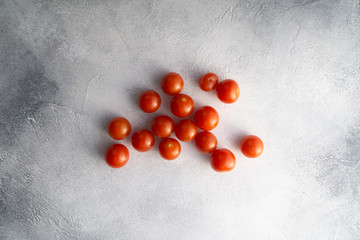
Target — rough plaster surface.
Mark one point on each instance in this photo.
(68, 67)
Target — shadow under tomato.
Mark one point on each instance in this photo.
(196, 76)
(201, 156)
(102, 147)
(105, 119)
(158, 75)
(134, 94)
(101, 144)
(236, 139)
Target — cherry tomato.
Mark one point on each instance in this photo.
(206, 118)
(119, 128)
(228, 91)
(149, 101)
(117, 156)
(251, 146)
(172, 83)
(186, 130)
(222, 160)
(143, 140)
(206, 142)
(162, 126)
(169, 148)
(208, 82)
(182, 105)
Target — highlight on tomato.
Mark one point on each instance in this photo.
(162, 126)
(208, 82)
(185, 130)
(143, 140)
(222, 160)
(149, 101)
(206, 142)
(206, 118)
(182, 105)
(117, 156)
(169, 148)
(119, 128)
(172, 83)
(251, 146)
(228, 91)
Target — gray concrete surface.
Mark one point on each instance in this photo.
(68, 67)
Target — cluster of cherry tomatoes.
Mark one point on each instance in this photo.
(206, 118)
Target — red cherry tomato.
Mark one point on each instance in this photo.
(119, 128)
(149, 101)
(206, 142)
(169, 148)
(162, 126)
(117, 156)
(208, 82)
(172, 83)
(251, 146)
(186, 130)
(143, 140)
(228, 91)
(182, 105)
(206, 118)
(222, 160)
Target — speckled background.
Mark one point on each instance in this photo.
(68, 67)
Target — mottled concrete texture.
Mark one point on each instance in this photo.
(68, 67)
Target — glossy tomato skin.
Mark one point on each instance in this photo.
(222, 160)
(208, 82)
(149, 101)
(172, 83)
(228, 91)
(169, 148)
(206, 142)
(119, 128)
(162, 126)
(182, 105)
(117, 156)
(206, 118)
(252, 146)
(143, 140)
(185, 130)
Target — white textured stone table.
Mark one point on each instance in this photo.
(68, 67)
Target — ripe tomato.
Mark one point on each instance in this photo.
(208, 82)
(172, 83)
(143, 140)
(169, 148)
(186, 130)
(182, 105)
(206, 142)
(119, 128)
(162, 126)
(251, 146)
(149, 101)
(206, 118)
(228, 91)
(222, 160)
(117, 156)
